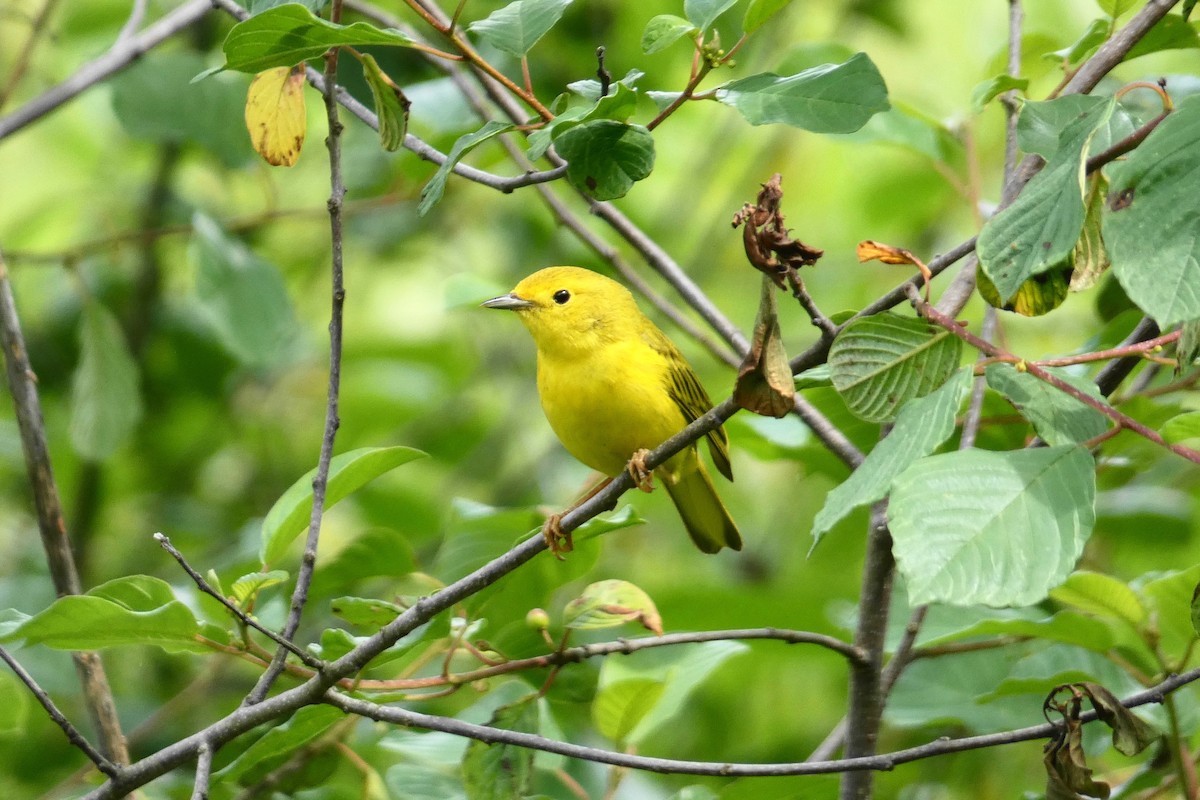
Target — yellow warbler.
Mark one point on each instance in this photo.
(613, 385)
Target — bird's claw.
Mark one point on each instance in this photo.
(557, 540)
(642, 476)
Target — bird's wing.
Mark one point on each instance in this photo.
(685, 389)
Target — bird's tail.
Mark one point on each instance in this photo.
(703, 514)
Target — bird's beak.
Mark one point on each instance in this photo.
(508, 301)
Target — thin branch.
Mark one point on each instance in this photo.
(829, 434)
(119, 56)
(22, 385)
(204, 586)
(136, 15)
(1115, 372)
(21, 64)
(73, 735)
(974, 415)
(1122, 420)
(337, 193)
(881, 762)
(204, 761)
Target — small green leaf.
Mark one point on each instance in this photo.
(282, 741)
(106, 400)
(624, 517)
(831, 98)
(921, 426)
(502, 771)
(1102, 595)
(1150, 219)
(433, 190)
(703, 13)
(663, 31)
(1089, 41)
(992, 88)
(619, 708)
(605, 158)
(880, 362)
(246, 588)
(1182, 428)
(368, 612)
(288, 34)
(610, 604)
(391, 106)
(759, 11)
(1038, 232)
(991, 528)
(1057, 417)
(242, 297)
(347, 472)
(132, 610)
(516, 27)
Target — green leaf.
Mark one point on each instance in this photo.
(156, 100)
(663, 31)
(245, 589)
(624, 517)
(516, 27)
(14, 705)
(368, 612)
(347, 472)
(1187, 349)
(282, 741)
(992, 88)
(433, 190)
(831, 98)
(759, 11)
(1057, 417)
(619, 708)
(1186, 9)
(679, 669)
(391, 106)
(1116, 8)
(106, 399)
(703, 13)
(502, 771)
(1181, 428)
(423, 782)
(1002, 528)
(288, 34)
(1039, 295)
(1038, 232)
(1066, 627)
(1169, 33)
(605, 158)
(242, 297)
(1168, 597)
(1102, 595)
(921, 426)
(907, 127)
(1089, 41)
(1090, 259)
(1041, 125)
(132, 610)
(610, 604)
(880, 362)
(589, 89)
(1149, 227)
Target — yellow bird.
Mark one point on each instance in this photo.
(613, 386)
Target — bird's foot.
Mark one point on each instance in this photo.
(642, 476)
(557, 540)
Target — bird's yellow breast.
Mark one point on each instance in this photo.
(609, 403)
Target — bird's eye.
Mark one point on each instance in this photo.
(562, 296)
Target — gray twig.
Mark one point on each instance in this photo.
(73, 735)
(204, 762)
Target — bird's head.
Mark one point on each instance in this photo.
(570, 308)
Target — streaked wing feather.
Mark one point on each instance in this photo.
(686, 390)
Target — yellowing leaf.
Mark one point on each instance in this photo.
(275, 115)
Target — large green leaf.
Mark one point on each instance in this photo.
(1038, 232)
(242, 297)
(605, 157)
(998, 529)
(1057, 416)
(501, 771)
(921, 426)
(516, 27)
(106, 399)
(1150, 227)
(347, 472)
(831, 98)
(879, 363)
(132, 610)
(288, 34)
